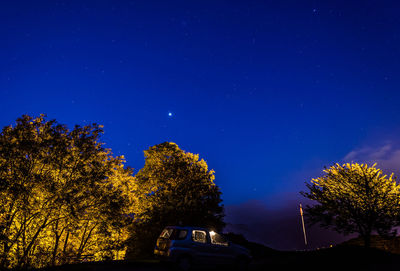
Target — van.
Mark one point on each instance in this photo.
(189, 246)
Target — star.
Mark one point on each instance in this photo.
(169, 114)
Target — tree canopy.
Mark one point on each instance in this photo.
(355, 198)
(174, 187)
(63, 196)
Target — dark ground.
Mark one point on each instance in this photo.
(336, 258)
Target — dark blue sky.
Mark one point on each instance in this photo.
(267, 92)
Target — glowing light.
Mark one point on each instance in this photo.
(169, 114)
(212, 233)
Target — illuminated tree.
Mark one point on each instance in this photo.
(63, 197)
(174, 187)
(355, 198)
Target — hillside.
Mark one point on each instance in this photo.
(346, 256)
(391, 245)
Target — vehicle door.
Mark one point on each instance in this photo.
(222, 250)
(201, 247)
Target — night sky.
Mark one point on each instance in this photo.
(267, 92)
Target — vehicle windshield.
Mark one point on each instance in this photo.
(218, 239)
(173, 234)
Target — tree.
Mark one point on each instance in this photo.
(63, 196)
(355, 198)
(174, 187)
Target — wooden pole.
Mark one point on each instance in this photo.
(302, 223)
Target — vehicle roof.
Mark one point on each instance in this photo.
(187, 228)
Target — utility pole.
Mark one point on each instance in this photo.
(302, 223)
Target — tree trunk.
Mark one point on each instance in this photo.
(367, 240)
(56, 241)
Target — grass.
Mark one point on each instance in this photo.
(339, 258)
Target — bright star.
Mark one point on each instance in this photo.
(169, 114)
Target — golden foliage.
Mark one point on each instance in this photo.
(174, 187)
(355, 198)
(63, 197)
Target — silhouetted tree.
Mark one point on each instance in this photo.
(174, 187)
(354, 198)
(62, 195)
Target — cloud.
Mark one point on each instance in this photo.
(278, 228)
(387, 156)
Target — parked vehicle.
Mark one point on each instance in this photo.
(188, 246)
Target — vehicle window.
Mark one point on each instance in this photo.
(166, 233)
(218, 239)
(199, 236)
(173, 234)
(182, 234)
